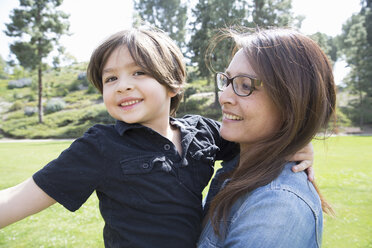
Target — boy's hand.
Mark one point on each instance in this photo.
(306, 158)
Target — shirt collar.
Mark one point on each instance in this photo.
(121, 127)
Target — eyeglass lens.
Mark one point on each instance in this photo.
(242, 85)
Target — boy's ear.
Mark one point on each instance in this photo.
(173, 93)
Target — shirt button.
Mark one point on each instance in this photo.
(145, 166)
(166, 147)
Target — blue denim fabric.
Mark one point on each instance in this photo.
(284, 213)
(149, 194)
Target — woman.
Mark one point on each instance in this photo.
(277, 93)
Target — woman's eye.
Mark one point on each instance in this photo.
(110, 79)
(246, 86)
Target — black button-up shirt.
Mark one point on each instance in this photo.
(149, 195)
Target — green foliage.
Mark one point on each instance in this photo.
(54, 105)
(63, 124)
(357, 49)
(211, 15)
(3, 66)
(168, 15)
(273, 13)
(328, 44)
(38, 26)
(29, 111)
(17, 105)
(20, 83)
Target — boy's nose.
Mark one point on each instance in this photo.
(124, 85)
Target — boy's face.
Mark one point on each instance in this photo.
(132, 96)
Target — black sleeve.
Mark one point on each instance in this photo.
(228, 150)
(75, 174)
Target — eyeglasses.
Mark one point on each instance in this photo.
(243, 85)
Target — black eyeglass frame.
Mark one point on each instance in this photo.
(254, 82)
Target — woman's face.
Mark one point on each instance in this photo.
(249, 119)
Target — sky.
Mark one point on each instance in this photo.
(91, 21)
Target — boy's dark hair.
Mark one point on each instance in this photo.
(152, 50)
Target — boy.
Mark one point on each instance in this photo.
(149, 169)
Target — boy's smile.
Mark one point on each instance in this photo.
(128, 103)
(133, 96)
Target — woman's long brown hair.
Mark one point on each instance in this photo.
(298, 78)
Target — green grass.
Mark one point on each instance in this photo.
(343, 173)
(55, 226)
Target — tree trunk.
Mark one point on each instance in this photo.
(40, 102)
(361, 107)
(216, 102)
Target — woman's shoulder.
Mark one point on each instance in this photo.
(284, 206)
(289, 188)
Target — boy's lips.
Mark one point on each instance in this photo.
(129, 102)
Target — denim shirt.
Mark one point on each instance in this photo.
(284, 213)
(149, 194)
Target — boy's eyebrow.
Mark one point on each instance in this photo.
(107, 70)
(110, 69)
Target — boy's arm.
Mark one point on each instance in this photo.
(21, 201)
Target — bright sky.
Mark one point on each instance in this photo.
(91, 21)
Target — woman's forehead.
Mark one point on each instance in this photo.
(240, 65)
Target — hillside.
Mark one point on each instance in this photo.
(71, 105)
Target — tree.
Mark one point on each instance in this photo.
(38, 25)
(3, 73)
(168, 15)
(211, 15)
(274, 13)
(328, 44)
(358, 54)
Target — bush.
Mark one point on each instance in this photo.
(17, 105)
(54, 105)
(82, 76)
(20, 83)
(30, 111)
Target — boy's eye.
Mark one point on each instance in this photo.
(139, 73)
(110, 79)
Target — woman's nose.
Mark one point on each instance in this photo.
(227, 95)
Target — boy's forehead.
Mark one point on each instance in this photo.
(120, 56)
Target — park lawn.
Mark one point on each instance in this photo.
(342, 173)
(55, 226)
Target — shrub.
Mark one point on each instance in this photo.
(54, 105)
(17, 105)
(20, 83)
(82, 76)
(30, 111)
